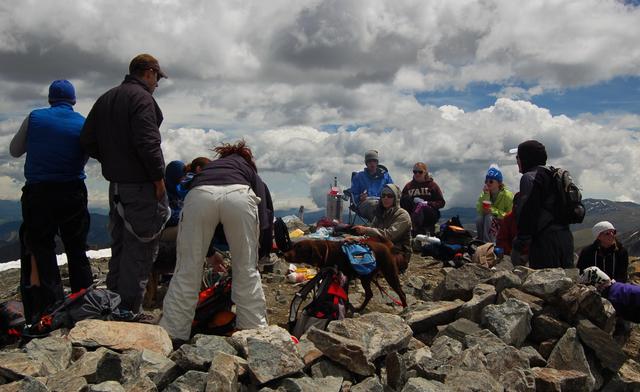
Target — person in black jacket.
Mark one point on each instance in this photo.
(229, 191)
(606, 253)
(122, 132)
(550, 240)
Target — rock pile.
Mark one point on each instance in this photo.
(506, 329)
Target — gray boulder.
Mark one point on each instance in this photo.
(459, 283)
(546, 283)
(423, 317)
(606, 349)
(483, 295)
(53, 352)
(568, 354)
(549, 379)
(423, 385)
(504, 280)
(273, 357)
(192, 380)
(510, 321)
(223, 374)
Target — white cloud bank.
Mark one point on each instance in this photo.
(279, 73)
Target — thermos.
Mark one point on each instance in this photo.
(334, 202)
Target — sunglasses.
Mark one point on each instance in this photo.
(387, 195)
(609, 232)
(489, 181)
(418, 172)
(158, 77)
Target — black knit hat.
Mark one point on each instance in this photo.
(532, 153)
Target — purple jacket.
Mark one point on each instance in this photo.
(625, 298)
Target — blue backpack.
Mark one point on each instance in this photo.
(361, 257)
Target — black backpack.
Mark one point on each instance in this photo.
(568, 205)
(453, 233)
(281, 235)
(330, 301)
(89, 303)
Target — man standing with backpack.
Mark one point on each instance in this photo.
(541, 218)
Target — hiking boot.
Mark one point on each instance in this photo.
(123, 315)
(129, 316)
(146, 318)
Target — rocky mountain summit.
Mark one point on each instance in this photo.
(471, 329)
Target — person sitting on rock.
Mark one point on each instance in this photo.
(392, 223)
(367, 185)
(494, 202)
(624, 297)
(606, 253)
(423, 199)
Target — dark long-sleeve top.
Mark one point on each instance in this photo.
(122, 132)
(428, 191)
(614, 261)
(536, 209)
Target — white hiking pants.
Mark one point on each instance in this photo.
(236, 207)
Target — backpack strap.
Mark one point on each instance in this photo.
(302, 294)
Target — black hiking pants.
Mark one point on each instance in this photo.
(50, 209)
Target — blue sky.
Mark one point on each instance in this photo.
(620, 94)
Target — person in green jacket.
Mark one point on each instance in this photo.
(494, 202)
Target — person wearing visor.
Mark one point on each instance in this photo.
(423, 199)
(392, 223)
(495, 201)
(122, 133)
(367, 185)
(606, 253)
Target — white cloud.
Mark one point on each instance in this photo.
(278, 73)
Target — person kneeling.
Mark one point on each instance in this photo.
(624, 297)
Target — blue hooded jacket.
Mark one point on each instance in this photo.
(372, 183)
(173, 174)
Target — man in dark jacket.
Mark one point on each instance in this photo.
(550, 241)
(122, 132)
(54, 200)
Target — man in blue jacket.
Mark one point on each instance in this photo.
(54, 200)
(122, 132)
(367, 185)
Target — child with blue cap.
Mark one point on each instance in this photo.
(494, 202)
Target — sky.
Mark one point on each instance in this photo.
(311, 85)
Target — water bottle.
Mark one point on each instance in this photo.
(427, 239)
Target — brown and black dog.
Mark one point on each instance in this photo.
(322, 253)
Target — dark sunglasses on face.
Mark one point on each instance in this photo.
(158, 77)
(387, 195)
(609, 232)
(489, 181)
(418, 172)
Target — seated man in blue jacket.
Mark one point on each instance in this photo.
(367, 185)
(624, 297)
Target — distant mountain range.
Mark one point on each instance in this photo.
(624, 215)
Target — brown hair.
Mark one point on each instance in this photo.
(240, 148)
(422, 166)
(199, 162)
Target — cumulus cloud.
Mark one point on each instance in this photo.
(313, 84)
